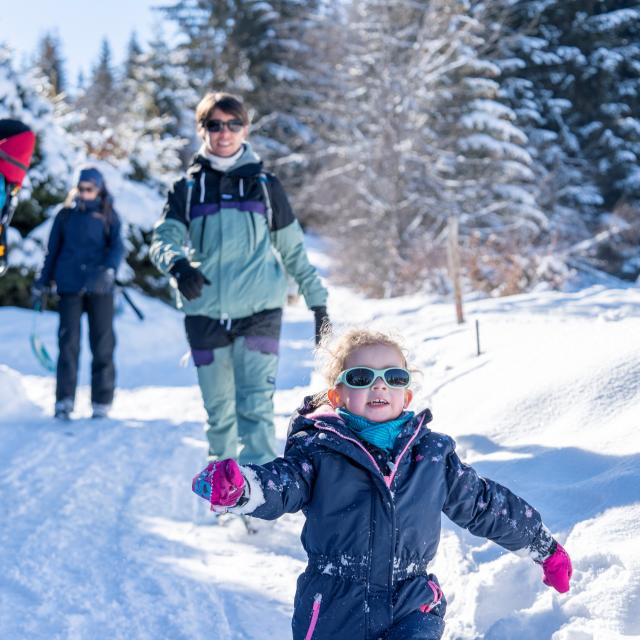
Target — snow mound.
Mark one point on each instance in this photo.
(13, 396)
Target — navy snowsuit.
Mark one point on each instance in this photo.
(370, 535)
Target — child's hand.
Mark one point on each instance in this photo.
(221, 482)
(557, 570)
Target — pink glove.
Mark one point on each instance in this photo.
(557, 570)
(221, 482)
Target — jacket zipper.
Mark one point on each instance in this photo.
(436, 597)
(315, 612)
(387, 480)
(220, 289)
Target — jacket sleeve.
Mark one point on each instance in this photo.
(170, 232)
(115, 249)
(288, 239)
(54, 245)
(283, 485)
(488, 509)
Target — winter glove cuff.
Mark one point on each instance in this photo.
(190, 280)
(542, 546)
(38, 294)
(322, 322)
(180, 268)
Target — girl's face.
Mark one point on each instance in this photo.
(379, 402)
(224, 143)
(87, 191)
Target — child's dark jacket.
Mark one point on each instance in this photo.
(369, 536)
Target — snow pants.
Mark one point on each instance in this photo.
(99, 309)
(344, 606)
(237, 362)
(417, 626)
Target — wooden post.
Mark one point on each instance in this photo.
(453, 255)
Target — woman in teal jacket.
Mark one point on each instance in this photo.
(229, 237)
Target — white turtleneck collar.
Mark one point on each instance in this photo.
(219, 162)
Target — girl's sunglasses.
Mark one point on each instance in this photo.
(364, 377)
(216, 126)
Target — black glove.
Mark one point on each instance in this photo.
(190, 280)
(38, 293)
(104, 281)
(323, 324)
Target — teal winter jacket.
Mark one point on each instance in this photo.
(224, 232)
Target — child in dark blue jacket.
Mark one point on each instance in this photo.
(83, 254)
(372, 480)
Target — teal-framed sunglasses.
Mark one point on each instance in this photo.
(364, 377)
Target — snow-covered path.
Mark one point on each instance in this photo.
(101, 537)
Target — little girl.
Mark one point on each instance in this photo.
(372, 479)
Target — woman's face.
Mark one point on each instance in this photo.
(379, 402)
(87, 191)
(225, 142)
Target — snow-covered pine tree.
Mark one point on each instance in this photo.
(99, 108)
(50, 62)
(132, 59)
(572, 76)
(486, 171)
(257, 49)
(100, 99)
(148, 127)
(416, 132)
(46, 182)
(149, 137)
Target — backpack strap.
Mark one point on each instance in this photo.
(263, 179)
(187, 204)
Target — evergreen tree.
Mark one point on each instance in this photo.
(256, 49)
(132, 60)
(417, 133)
(50, 62)
(571, 75)
(150, 125)
(99, 109)
(46, 182)
(100, 101)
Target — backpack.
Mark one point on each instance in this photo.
(263, 179)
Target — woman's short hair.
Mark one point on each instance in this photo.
(225, 102)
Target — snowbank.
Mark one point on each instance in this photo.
(103, 538)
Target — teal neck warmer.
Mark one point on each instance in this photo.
(379, 434)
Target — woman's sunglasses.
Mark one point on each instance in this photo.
(87, 188)
(216, 126)
(364, 377)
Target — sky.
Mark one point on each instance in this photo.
(81, 26)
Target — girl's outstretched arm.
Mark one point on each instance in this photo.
(264, 491)
(488, 509)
